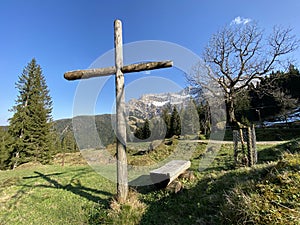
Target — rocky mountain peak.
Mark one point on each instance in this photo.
(151, 105)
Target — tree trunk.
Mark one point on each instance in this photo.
(16, 161)
(231, 114)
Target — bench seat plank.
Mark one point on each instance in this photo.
(164, 175)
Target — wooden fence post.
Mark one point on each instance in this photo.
(249, 146)
(235, 145)
(254, 144)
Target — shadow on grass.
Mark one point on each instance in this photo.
(275, 152)
(73, 186)
(203, 202)
(95, 211)
(200, 204)
(139, 184)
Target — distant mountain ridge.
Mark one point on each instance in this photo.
(83, 130)
(151, 105)
(146, 107)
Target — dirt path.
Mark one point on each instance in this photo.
(230, 142)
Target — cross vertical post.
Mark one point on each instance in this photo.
(122, 176)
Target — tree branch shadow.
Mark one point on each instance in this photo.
(74, 186)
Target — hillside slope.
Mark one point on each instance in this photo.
(85, 126)
(268, 193)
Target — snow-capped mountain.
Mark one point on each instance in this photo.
(151, 105)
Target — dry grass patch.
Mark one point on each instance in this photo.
(129, 212)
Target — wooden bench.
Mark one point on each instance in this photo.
(164, 175)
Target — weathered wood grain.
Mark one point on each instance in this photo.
(146, 66)
(164, 175)
(132, 68)
(85, 74)
(122, 176)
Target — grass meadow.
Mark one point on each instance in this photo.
(267, 193)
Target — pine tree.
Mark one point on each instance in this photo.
(138, 133)
(204, 118)
(143, 132)
(175, 122)
(167, 119)
(190, 119)
(4, 149)
(68, 142)
(146, 130)
(31, 123)
(158, 129)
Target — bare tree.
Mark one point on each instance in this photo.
(239, 55)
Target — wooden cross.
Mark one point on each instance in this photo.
(118, 70)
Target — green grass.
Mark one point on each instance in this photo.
(270, 196)
(52, 195)
(271, 134)
(268, 193)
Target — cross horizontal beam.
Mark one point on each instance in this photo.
(89, 73)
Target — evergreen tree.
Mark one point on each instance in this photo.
(146, 130)
(143, 132)
(158, 129)
(204, 118)
(242, 105)
(190, 119)
(31, 123)
(4, 149)
(138, 133)
(175, 122)
(167, 118)
(276, 96)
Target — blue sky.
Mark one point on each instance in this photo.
(65, 35)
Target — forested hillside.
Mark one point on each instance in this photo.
(103, 125)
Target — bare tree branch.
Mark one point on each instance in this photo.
(239, 55)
